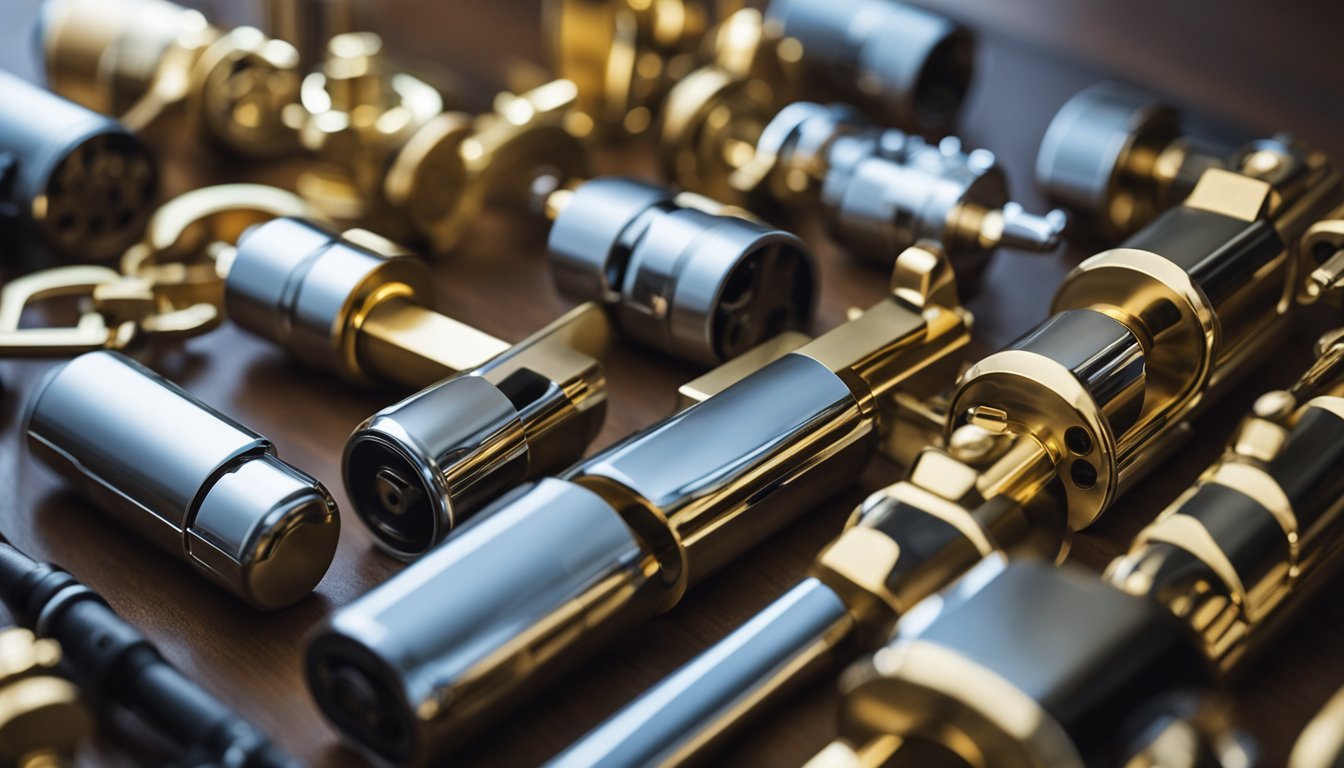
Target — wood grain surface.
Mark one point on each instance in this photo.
(1258, 64)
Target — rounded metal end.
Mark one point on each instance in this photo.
(266, 531)
(418, 468)
(361, 695)
(1098, 150)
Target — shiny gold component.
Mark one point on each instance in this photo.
(146, 60)
(715, 381)
(1322, 252)
(1321, 744)
(42, 717)
(1232, 553)
(623, 55)
(395, 161)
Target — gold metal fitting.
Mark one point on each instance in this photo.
(1260, 528)
(42, 717)
(1321, 744)
(1322, 253)
(143, 60)
(623, 55)
(395, 161)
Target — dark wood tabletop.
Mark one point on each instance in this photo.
(1261, 66)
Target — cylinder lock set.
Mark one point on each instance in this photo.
(966, 643)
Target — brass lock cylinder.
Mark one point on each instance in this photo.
(690, 279)
(908, 66)
(184, 476)
(75, 181)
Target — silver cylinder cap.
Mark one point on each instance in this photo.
(265, 531)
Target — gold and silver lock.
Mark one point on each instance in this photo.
(180, 474)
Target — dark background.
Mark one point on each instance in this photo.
(1265, 67)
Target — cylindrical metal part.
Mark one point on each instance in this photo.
(309, 25)
(184, 476)
(306, 289)
(403, 669)
(1101, 353)
(701, 701)
(701, 286)
(76, 181)
(108, 54)
(1307, 467)
(883, 194)
(906, 64)
(1052, 647)
(115, 664)
(416, 469)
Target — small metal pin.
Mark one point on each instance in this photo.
(1030, 232)
(988, 418)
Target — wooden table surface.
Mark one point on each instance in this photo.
(1236, 59)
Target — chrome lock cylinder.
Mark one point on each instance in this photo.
(74, 182)
(904, 65)
(184, 476)
(679, 272)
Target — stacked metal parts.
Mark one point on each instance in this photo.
(508, 532)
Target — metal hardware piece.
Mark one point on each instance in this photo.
(1234, 559)
(180, 474)
(1321, 744)
(1117, 157)
(904, 65)
(114, 664)
(879, 190)
(492, 414)
(149, 60)
(42, 715)
(412, 668)
(1039, 438)
(679, 273)
(73, 182)
(623, 55)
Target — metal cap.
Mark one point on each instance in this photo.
(1090, 141)
(265, 531)
(416, 469)
(304, 288)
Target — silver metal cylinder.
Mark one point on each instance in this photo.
(698, 285)
(910, 66)
(184, 476)
(293, 283)
(416, 469)
(76, 180)
(391, 668)
(885, 192)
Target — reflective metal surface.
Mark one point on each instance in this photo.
(910, 66)
(214, 494)
(703, 285)
(406, 669)
(688, 708)
(73, 182)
